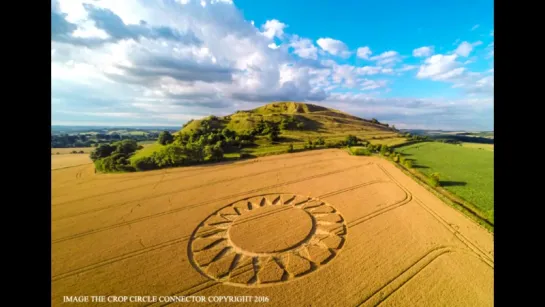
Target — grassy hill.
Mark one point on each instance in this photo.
(317, 121)
(298, 123)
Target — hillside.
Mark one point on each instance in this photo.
(317, 120)
(270, 129)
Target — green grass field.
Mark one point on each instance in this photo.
(489, 147)
(148, 150)
(464, 171)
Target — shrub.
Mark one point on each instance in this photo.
(140, 147)
(74, 152)
(320, 141)
(290, 148)
(401, 159)
(300, 125)
(58, 153)
(351, 140)
(384, 150)
(165, 138)
(361, 152)
(144, 164)
(395, 158)
(81, 151)
(408, 163)
(434, 180)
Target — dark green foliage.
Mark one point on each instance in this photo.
(300, 125)
(213, 153)
(125, 147)
(116, 162)
(102, 151)
(290, 148)
(144, 164)
(351, 140)
(384, 150)
(320, 141)
(309, 142)
(165, 138)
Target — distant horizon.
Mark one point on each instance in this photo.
(412, 64)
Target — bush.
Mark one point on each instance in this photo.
(58, 153)
(320, 141)
(144, 164)
(434, 180)
(351, 140)
(290, 148)
(165, 138)
(81, 151)
(384, 150)
(300, 125)
(140, 147)
(395, 158)
(408, 163)
(74, 152)
(361, 152)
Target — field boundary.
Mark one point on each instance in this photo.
(454, 201)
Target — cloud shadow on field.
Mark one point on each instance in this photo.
(453, 183)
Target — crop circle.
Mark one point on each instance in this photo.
(267, 239)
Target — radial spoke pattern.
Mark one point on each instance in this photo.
(268, 239)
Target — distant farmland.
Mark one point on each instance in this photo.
(465, 171)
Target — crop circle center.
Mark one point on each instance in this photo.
(271, 230)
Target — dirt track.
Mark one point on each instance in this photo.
(318, 228)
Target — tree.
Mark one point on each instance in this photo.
(213, 153)
(301, 125)
(165, 138)
(384, 149)
(351, 140)
(125, 147)
(320, 141)
(102, 151)
(228, 134)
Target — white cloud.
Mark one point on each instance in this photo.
(423, 51)
(372, 84)
(304, 47)
(440, 67)
(368, 70)
(140, 62)
(364, 52)
(465, 48)
(474, 27)
(387, 57)
(334, 47)
(273, 28)
(406, 67)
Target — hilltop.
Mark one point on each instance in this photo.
(303, 120)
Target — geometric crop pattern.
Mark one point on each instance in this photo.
(266, 240)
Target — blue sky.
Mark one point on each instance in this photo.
(415, 64)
